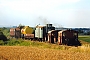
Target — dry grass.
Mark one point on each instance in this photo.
(34, 53)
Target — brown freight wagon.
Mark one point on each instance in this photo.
(12, 32)
(68, 37)
(53, 36)
(15, 32)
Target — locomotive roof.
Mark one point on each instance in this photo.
(67, 30)
(40, 26)
(53, 31)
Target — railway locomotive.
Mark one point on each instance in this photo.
(68, 37)
(46, 34)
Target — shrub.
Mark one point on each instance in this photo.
(1, 42)
(13, 42)
(2, 36)
(25, 43)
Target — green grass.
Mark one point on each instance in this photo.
(85, 38)
(20, 42)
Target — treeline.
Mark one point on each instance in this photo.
(81, 32)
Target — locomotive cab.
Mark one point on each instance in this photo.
(68, 37)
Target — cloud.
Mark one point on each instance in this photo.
(35, 5)
(26, 10)
(74, 17)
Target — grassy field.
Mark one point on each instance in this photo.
(85, 38)
(35, 53)
(30, 50)
(18, 49)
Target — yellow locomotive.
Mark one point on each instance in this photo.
(27, 30)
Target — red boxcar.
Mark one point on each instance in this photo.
(12, 32)
(53, 36)
(15, 32)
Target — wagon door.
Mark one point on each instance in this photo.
(59, 38)
(17, 32)
(52, 38)
(49, 37)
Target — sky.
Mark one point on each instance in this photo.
(61, 13)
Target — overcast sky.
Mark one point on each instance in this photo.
(66, 13)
